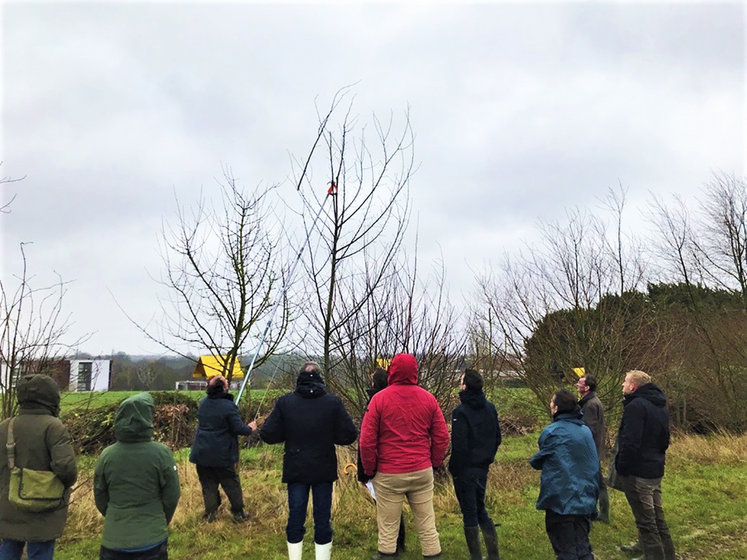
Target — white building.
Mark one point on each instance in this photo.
(90, 375)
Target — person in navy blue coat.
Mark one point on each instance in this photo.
(570, 481)
(475, 437)
(643, 441)
(215, 450)
(310, 421)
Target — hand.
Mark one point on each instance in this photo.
(253, 426)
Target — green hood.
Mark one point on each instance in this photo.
(134, 420)
(38, 392)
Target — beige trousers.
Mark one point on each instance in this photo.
(417, 487)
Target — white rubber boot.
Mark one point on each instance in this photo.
(323, 551)
(295, 550)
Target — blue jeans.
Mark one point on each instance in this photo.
(470, 491)
(298, 502)
(12, 550)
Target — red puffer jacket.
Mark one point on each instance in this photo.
(403, 429)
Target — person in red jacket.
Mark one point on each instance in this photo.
(403, 438)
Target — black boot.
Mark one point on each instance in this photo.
(438, 556)
(632, 548)
(472, 534)
(382, 556)
(604, 506)
(491, 539)
(401, 547)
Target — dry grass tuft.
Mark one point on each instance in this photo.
(721, 449)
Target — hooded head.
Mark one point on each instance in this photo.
(403, 370)
(134, 420)
(310, 383)
(309, 374)
(38, 392)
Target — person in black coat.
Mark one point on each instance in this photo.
(475, 437)
(643, 440)
(311, 422)
(215, 450)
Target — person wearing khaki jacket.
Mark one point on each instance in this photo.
(42, 443)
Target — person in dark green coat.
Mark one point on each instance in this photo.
(136, 486)
(42, 443)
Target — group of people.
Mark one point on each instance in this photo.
(571, 484)
(403, 438)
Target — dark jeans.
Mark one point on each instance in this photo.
(569, 535)
(228, 478)
(644, 497)
(470, 491)
(160, 552)
(298, 502)
(12, 550)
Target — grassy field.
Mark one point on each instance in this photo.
(704, 497)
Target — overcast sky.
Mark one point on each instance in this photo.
(519, 110)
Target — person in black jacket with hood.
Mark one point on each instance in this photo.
(475, 437)
(215, 450)
(311, 422)
(643, 440)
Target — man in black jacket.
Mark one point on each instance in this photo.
(643, 440)
(475, 437)
(593, 417)
(311, 422)
(215, 450)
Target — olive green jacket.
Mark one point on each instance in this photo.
(136, 484)
(42, 443)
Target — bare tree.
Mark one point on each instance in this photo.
(223, 271)
(721, 244)
(568, 301)
(362, 231)
(706, 253)
(33, 328)
(146, 374)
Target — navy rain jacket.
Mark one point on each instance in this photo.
(311, 422)
(475, 433)
(216, 441)
(643, 438)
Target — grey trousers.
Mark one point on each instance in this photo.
(644, 497)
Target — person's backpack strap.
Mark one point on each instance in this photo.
(11, 445)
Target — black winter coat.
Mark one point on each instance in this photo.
(362, 476)
(216, 441)
(475, 433)
(643, 438)
(311, 422)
